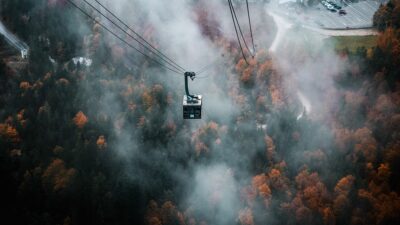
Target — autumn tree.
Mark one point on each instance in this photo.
(342, 202)
(57, 175)
(387, 15)
(80, 119)
(384, 203)
(246, 217)
(312, 197)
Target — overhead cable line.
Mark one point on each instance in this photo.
(251, 30)
(205, 68)
(237, 34)
(209, 66)
(134, 38)
(139, 36)
(121, 39)
(240, 29)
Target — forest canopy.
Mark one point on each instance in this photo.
(305, 135)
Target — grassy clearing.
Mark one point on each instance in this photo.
(353, 42)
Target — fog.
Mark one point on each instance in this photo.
(210, 186)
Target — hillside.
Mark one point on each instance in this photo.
(91, 130)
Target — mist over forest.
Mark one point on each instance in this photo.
(91, 131)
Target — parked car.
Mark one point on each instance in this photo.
(336, 6)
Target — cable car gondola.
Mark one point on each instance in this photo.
(192, 104)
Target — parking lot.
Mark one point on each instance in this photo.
(357, 15)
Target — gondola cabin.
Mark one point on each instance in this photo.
(192, 107)
(191, 103)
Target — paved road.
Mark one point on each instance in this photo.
(282, 25)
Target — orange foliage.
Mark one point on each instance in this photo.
(147, 100)
(314, 196)
(9, 132)
(278, 181)
(200, 147)
(168, 212)
(354, 100)
(305, 179)
(384, 104)
(101, 142)
(260, 185)
(276, 96)
(328, 216)
(25, 85)
(258, 180)
(154, 221)
(264, 70)
(246, 217)
(264, 190)
(12, 134)
(344, 185)
(383, 172)
(385, 206)
(240, 66)
(365, 144)
(303, 214)
(389, 42)
(340, 203)
(247, 75)
(342, 189)
(270, 147)
(311, 196)
(153, 216)
(344, 139)
(80, 119)
(206, 137)
(57, 175)
(20, 117)
(385, 203)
